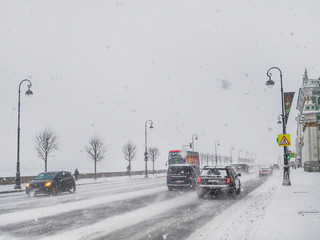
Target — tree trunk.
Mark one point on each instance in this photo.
(153, 167)
(95, 169)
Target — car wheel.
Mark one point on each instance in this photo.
(200, 193)
(233, 192)
(193, 186)
(73, 188)
(54, 191)
(239, 190)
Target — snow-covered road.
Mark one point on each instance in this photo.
(114, 208)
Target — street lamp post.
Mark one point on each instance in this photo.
(215, 144)
(28, 92)
(270, 83)
(145, 146)
(247, 157)
(240, 150)
(196, 138)
(231, 148)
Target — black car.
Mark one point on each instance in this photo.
(218, 181)
(51, 183)
(241, 168)
(182, 176)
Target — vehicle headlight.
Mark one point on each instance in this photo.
(27, 185)
(48, 184)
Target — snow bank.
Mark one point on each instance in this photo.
(272, 211)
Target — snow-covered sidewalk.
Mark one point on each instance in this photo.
(272, 211)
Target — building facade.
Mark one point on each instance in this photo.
(308, 121)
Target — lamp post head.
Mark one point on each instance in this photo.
(270, 82)
(196, 138)
(151, 126)
(279, 121)
(29, 92)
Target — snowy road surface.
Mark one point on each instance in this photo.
(122, 208)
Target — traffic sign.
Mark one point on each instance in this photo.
(292, 155)
(284, 140)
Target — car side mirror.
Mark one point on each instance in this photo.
(239, 174)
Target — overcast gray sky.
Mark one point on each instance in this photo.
(193, 67)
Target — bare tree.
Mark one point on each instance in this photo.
(154, 154)
(96, 152)
(207, 158)
(129, 150)
(46, 143)
(202, 159)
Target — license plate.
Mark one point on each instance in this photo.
(213, 181)
(179, 181)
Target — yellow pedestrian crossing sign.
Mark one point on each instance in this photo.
(284, 140)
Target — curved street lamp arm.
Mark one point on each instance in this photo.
(29, 85)
(269, 74)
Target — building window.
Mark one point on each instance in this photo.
(307, 107)
(318, 100)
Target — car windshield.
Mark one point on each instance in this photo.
(180, 170)
(214, 172)
(45, 176)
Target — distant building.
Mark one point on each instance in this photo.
(308, 121)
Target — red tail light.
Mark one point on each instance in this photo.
(199, 180)
(167, 176)
(228, 180)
